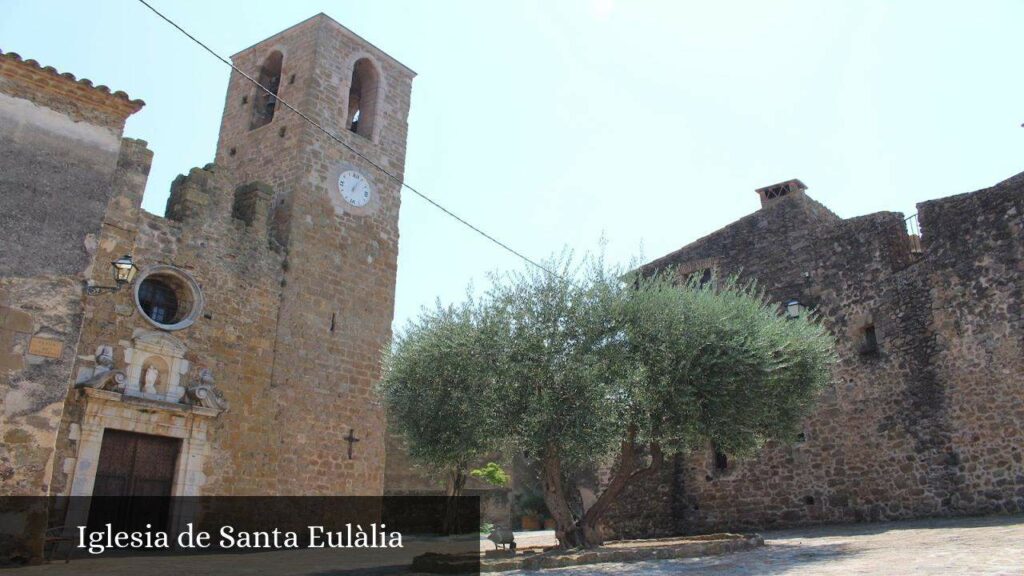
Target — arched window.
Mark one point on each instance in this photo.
(264, 104)
(362, 98)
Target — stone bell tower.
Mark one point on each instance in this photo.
(335, 215)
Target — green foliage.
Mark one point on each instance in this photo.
(491, 473)
(718, 363)
(568, 366)
(437, 387)
(559, 366)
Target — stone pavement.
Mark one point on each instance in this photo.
(946, 547)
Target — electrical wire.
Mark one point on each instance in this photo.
(316, 125)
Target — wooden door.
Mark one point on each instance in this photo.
(137, 470)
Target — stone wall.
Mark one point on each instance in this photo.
(929, 424)
(60, 139)
(59, 148)
(975, 246)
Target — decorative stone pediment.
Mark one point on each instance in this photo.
(155, 373)
(159, 343)
(113, 380)
(102, 376)
(204, 393)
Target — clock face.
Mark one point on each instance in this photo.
(354, 188)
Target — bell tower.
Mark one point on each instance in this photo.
(335, 216)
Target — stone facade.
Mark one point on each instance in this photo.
(925, 414)
(253, 330)
(60, 139)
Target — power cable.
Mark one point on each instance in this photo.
(383, 170)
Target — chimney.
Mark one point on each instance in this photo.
(772, 193)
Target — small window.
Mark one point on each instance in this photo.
(701, 277)
(721, 460)
(264, 105)
(706, 277)
(869, 341)
(362, 98)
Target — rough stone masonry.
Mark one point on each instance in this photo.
(247, 345)
(925, 413)
(245, 349)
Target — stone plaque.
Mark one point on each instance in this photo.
(45, 347)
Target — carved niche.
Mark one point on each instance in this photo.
(155, 369)
(155, 366)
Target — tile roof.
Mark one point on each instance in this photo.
(137, 104)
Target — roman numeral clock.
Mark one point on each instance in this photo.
(352, 192)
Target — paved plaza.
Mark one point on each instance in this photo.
(946, 547)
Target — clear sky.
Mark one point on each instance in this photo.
(552, 123)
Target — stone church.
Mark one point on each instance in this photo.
(229, 347)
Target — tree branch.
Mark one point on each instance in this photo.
(626, 474)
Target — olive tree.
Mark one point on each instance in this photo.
(707, 364)
(436, 387)
(584, 364)
(598, 364)
(562, 369)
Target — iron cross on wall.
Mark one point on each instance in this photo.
(351, 439)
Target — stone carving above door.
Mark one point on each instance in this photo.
(154, 368)
(204, 393)
(156, 363)
(103, 376)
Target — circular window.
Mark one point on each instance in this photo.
(169, 298)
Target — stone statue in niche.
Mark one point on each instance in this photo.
(104, 377)
(204, 393)
(151, 377)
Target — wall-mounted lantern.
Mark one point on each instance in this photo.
(794, 309)
(124, 271)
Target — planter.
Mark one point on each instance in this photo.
(531, 522)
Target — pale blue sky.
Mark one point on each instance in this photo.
(551, 123)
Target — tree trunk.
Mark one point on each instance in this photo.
(587, 532)
(626, 474)
(456, 482)
(566, 530)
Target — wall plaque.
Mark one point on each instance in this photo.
(45, 347)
